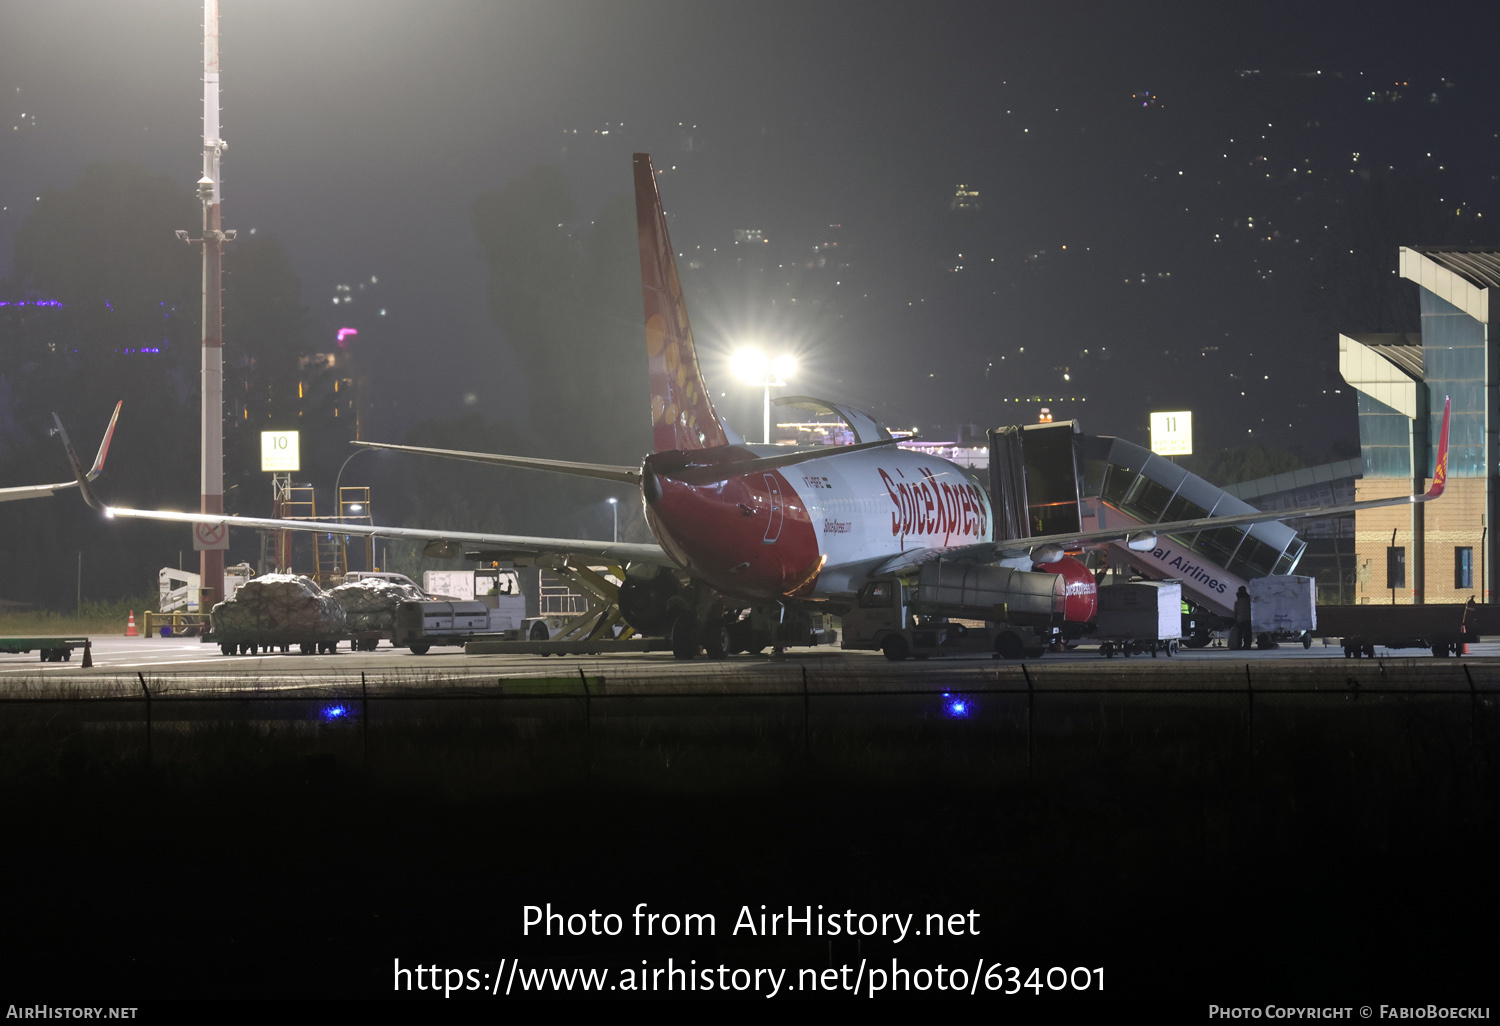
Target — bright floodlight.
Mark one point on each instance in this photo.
(749, 365)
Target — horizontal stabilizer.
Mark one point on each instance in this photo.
(603, 471)
(710, 473)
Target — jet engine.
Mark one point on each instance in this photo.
(1081, 595)
(645, 596)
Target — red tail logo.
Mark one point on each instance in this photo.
(682, 416)
(1440, 472)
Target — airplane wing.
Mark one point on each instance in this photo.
(605, 471)
(1049, 547)
(40, 491)
(512, 544)
(509, 544)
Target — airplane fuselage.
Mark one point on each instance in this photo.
(813, 530)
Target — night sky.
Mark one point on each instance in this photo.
(1163, 188)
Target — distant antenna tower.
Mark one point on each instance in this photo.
(211, 542)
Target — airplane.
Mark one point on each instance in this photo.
(751, 541)
(42, 491)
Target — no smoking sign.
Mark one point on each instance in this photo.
(210, 536)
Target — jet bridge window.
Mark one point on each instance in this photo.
(1254, 559)
(1181, 508)
(877, 595)
(1117, 482)
(1147, 500)
(1219, 544)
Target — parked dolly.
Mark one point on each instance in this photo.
(253, 642)
(1441, 628)
(54, 650)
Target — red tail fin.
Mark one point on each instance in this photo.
(682, 416)
(1440, 471)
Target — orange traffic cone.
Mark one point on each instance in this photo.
(88, 654)
(130, 631)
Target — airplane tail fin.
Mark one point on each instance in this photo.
(1440, 471)
(80, 475)
(109, 433)
(682, 415)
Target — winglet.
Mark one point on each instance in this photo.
(78, 472)
(109, 433)
(1440, 474)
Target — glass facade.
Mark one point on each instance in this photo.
(1453, 357)
(1384, 439)
(1455, 363)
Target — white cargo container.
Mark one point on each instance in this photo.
(1139, 616)
(1283, 608)
(1283, 604)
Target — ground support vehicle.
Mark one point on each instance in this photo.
(1139, 617)
(1201, 626)
(420, 625)
(1008, 613)
(178, 589)
(53, 650)
(1439, 628)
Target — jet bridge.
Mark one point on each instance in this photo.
(1128, 485)
(1052, 479)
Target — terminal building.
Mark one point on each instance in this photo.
(1439, 551)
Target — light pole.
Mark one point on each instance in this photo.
(338, 480)
(614, 507)
(338, 502)
(755, 367)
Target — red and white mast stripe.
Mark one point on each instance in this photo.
(211, 563)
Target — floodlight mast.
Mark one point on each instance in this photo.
(211, 561)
